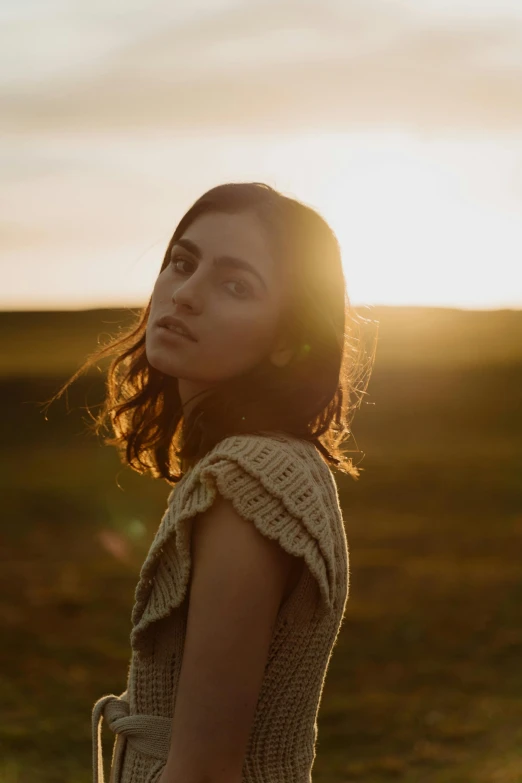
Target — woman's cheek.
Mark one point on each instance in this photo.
(237, 348)
(250, 331)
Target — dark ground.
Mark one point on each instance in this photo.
(425, 683)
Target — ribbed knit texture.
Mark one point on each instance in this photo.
(285, 488)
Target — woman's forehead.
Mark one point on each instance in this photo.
(241, 235)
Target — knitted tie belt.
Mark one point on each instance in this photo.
(147, 734)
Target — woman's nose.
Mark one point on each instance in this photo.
(188, 292)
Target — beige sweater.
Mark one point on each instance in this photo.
(283, 485)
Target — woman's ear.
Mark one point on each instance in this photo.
(283, 348)
(281, 356)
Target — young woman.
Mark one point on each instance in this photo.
(236, 385)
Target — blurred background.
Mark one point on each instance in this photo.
(400, 121)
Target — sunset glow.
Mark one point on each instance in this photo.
(401, 123)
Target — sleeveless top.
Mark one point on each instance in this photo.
(282, 485)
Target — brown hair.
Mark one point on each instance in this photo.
(314, 397)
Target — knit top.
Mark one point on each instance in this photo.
(284, 486)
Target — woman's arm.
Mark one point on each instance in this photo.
(238, 581)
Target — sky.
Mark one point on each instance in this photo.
(400, 121)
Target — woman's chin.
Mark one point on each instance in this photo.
(165, 364)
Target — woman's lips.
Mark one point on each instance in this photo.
(175, 335)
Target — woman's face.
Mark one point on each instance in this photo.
(234, 313)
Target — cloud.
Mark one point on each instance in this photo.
(283, 68)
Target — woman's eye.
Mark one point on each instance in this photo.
(245, 287)
(175, 260)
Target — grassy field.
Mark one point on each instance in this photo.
(425, 684)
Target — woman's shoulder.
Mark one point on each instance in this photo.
(286, 467)
(280, 483)
(262, 465)
(278, 459)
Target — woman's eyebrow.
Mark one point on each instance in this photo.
(221, 261)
